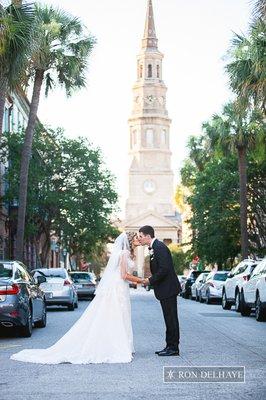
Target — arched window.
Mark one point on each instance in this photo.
(149, 137)
(149, 71)
(158, 71)
(140, 71)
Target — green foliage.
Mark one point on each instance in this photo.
(247, 66)
(63, 46)
(180, 259)
(70, 192)
(16, 42)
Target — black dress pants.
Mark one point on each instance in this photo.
(169, 307)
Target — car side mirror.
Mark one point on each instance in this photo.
(229, 275)
(40, 279)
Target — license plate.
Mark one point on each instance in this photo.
(79, 286)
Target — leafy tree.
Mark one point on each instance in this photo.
(70, 194)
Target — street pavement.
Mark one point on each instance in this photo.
(210, 336)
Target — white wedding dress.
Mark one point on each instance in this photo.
(103, 333)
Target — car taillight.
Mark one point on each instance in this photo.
(246, 277)
(67, 282)
(211, 284)
(14, 289)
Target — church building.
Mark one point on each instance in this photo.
(150, 178)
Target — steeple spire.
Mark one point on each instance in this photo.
(149, 40)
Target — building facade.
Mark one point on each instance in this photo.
(151, 180)
(15, 118)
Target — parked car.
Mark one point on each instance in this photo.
(253, 293)
(84, 282)
(22, 302)
(186, 285)
(212, 287)
(58, 287)
(197, 285)
(234, 282)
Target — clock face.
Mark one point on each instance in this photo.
(150, 99)
(149, 186)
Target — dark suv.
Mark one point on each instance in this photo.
(186, 285)
(22, 302)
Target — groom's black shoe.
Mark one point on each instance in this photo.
(169, 352)
(159, 351)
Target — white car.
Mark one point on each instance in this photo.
(213, 286)
(253, 293)
(197, 285)
(235, 280)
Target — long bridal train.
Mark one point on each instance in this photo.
(103, 333)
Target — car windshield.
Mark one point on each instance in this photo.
(220, 277)
(6, 271)
(52, 273)
(79, 277)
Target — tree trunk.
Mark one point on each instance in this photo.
(25, 161)
(242, 167)
(2, 109)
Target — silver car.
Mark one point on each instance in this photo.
(84, 282)
(58, 287)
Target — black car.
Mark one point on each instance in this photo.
(186, 286)
(22, 302)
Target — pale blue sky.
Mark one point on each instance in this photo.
(194, 36)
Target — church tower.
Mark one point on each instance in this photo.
(151, 179)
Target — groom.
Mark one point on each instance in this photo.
(166, 287)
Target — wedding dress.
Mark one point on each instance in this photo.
(103, 333)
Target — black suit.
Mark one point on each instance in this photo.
(166, 288)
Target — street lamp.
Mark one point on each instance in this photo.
(64, 254)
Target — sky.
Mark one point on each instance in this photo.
(194, 36)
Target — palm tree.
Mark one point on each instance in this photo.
(259, 10)
(16, 44)
(61, 56)
(237, 130)
(247, 67)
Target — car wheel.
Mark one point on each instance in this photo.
(26, 330)
(71, 307)
(42, 322)
(259, 311)
(237, 301)
(208, 298)
(225, 304)
(197, 296)
(76, 304)
(244, 309)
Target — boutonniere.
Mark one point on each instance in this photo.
(151, 253)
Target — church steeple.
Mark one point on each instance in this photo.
(149, 41)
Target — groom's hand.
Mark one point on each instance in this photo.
(146, 282)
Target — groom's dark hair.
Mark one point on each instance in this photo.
(147, 230)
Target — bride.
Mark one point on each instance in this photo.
(103, 333)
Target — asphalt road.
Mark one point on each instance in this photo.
(209, 336)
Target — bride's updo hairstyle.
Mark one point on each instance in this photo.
(131, 236)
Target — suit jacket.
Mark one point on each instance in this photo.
(164, 279)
